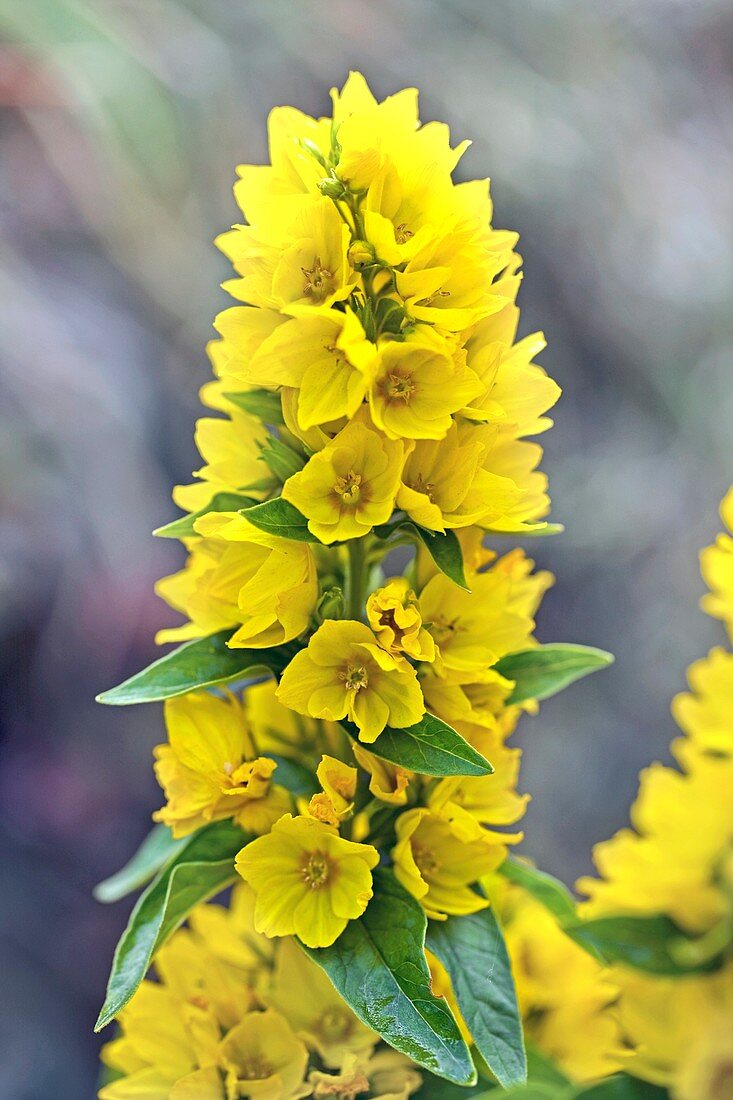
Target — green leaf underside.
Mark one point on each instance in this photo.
(547, 890)
(264, 404)
(543, 671)
(153, 853)
(196, 664)
(430, 747)
(378, 966)
(472, 950)
(444, 549)
(202, 868)
(221, 502)
(642, 942)
(278, 517)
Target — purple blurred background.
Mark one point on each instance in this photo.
(607, 132)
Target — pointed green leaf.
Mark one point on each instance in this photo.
(444, 549)
(472, 950)
(202, 868)
(194, 665)
(378, 966)
(263, 404)
(221, 502)
(547, 890)
(155, 850)
(649, 943)
(278, 517)
(543, 671)
(430, 747)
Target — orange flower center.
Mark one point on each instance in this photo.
(398, 387)
(348, 487)
(426, 862)
(318, 281)
(254, 1068)
(355, 677)
(316, 870)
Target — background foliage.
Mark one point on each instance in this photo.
(607, 132)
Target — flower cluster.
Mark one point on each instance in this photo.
(353, 659)
(677, 861)
(232, 1015)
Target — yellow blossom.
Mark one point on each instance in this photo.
(489, 799)
(416, 387)
(387, 782)
(309, 881)
(280, 730)
(344, 673)
(239, 576)
(336, 800)
(444, 485)
(210, 770)
(263, 1059)
(321, 1018)
(439, 855)
(387, 1075)
(349, 486)
(231, 452)
(706, 714)
(394, 616)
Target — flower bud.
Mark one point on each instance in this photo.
(331, 187)
(361, 254)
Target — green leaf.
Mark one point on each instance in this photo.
(193, 665)
(201, 869)
(472, 950)
(155, 850)
(430, 747)
(378, 966)
(541, 1070)
(436, 1088)
(292, 775)
(547, 890)
(444, 549)
(278, 517)
(644, 942)
(221, 502)
(263, 404)
(283, 461)
(619, 1087)
(543, 671)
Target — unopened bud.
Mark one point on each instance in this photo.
(361, 254)
(332, 188)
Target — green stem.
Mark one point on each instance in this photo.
(355, 578)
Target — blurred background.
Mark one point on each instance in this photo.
(607, 132)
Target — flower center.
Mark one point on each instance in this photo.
(402, 234)
(426, 862)
(431, 297)
(399, 387)
(355, 677)
(318, 281)
(254, 1068)
(442, 629)
(335, 1023)
(316, 870)
(349, 487)
(421, 486)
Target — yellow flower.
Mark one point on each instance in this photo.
(387, 782)
(444, 485)
(678, 859)
(336, 800)
(325, 355)
(717, 569)
(472, 630)
(344, 674)
(349, 486)
(305, 264)
(706, 715)
(242, 332)
(416, 387)
(278, 729)
(566, 998)
(262, 1058)
(319, 1016)
(231, 452)
(369, 132)
(239, 576)
(394, 616)
(309, 881)
(489, 799)
(439, 855)
(387, 1075)
(209, 769)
